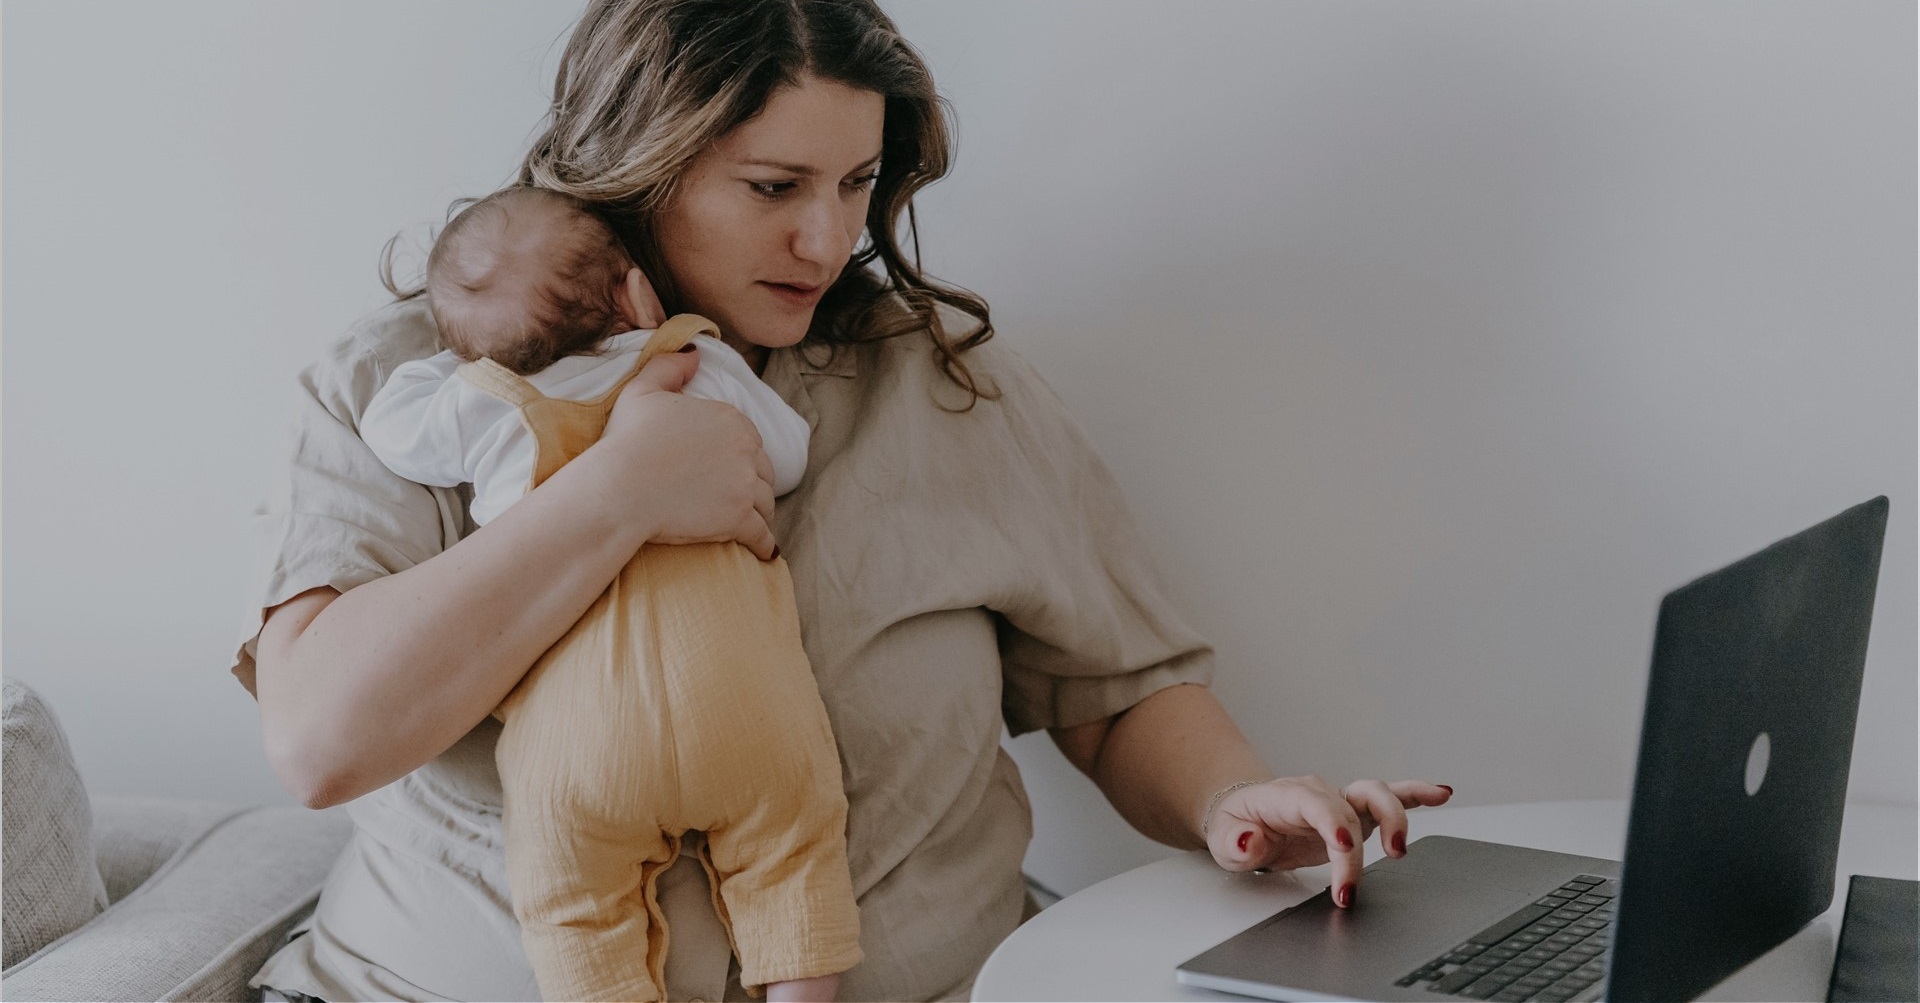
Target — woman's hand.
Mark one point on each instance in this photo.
(1154, 760)
(696, 467)
(1302, 821)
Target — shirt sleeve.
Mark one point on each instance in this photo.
(725, 376)
(1092, 628)
(414, 424)
(335, 515)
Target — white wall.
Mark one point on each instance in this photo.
(195, 196)
(1431, 342)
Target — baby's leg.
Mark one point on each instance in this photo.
(780, 864)
(582, 790)
(589, 915)
(759, 772)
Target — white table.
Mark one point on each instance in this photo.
(1120, 939)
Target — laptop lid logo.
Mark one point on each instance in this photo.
(1757, 763)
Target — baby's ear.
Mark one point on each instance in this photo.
(638, 302)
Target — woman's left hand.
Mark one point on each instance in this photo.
(1303, 821)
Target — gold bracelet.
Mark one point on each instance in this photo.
(1214, 802)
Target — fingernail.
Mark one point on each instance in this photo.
(1344, 839)
(1399, 842)
(1444, 787)
(688, 347)
(776, 552)
(1345, 898)
(1245, 838)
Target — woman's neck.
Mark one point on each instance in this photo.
(755, 355)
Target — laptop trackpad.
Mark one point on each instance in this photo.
(1418, 915)
(1406, 913)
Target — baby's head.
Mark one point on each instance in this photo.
(525, 277)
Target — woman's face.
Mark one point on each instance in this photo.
(764, 220)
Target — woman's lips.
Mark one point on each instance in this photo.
(795, 295)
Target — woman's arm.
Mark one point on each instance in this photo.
(359, 688)
(1161, 762)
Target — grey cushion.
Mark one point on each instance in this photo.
(204, 922)
(133, 837)
(49, 885)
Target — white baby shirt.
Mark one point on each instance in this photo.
(433, 427)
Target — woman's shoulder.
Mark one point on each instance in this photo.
(392, 334)
(996, 367)
(909, 401)
(354, 366)
(901, 384)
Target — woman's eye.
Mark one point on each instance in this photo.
(773, 191)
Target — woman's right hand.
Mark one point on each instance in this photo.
(694, 467)
(1294, 822)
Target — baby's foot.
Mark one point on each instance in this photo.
(814, 990)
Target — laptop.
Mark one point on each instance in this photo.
(1731, 840)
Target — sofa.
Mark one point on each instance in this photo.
(141, 898)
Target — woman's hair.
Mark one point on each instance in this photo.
(646, 85)
(568, 306)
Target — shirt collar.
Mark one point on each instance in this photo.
(817, 359)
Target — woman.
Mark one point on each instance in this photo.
(960, 557)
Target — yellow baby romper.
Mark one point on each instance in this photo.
(681, 700)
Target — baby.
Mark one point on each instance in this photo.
(682, 699)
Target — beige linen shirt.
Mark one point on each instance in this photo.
(954, 572)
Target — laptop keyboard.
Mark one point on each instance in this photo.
(1553, 950)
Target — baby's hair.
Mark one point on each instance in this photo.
(567, 306)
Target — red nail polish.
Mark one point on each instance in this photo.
(1345, 898)
(1444, 787)
(688, 347)
(1399, 842)
(1245, 838)
(1345, 840)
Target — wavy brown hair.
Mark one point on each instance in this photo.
(645, 86)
